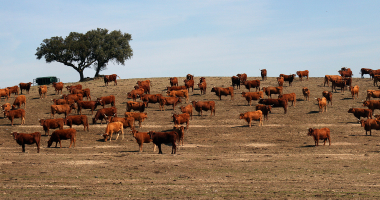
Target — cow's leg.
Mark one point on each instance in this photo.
(159, 149)
(23, 147)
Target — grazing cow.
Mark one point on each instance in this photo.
(301, 74)
(266, 109)
(19, 101)
(290, 97)
(62, 101)
(19, 113)
(263, 74)
(169, 101)
(137, 106)
(187, 109)
(27, 138)
(145, 87)
(249, 96)
(164, 137)
(255, 115)
(58, 87)
(173, 82)
(114, 127)
(42, 90)
(103, 114)
(365, 71)
(242, 77)
(180, 132)
(328, 96)
(272, 90)
(199, 106)
(110, 78)
(322, 103)
(62, 109)
(4, 93)
(219, 91)
(320, 134)
(87, 105)
(73, 97)
(376, 78)
(64, 134)
(372, 104)
(354, 90)
(151, 98)
(106, 100)
(330, 78)
(181, 119)
(189, 77)
(141, 138)
(306, 93)
(189, 84)
(25, 86)
(235, 81)
(345, 72)
(127, 121)
(13, 90)
(360, 112)
(280, 81)
(182, 87)
(252, 84)
(370, 124)
(373, 94)
(72, 87)
(289, 78)
(179, 93)
(48, 124)
(6, 106)
(275, 103)
(134, 94)
(202, 87)
(77, 120)
(140, 117)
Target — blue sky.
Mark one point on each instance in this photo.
(204, 38)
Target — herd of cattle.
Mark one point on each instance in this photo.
(175, 93)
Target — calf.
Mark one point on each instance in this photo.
(272, 90)
(62, 109)
(265, 109)
(322, 103)
(42, 90)
(235, 81)
(4, 93)
(199, 106)
(249, 96)
(360, 112)
(328, 96)
(106, 100)
(255, 115)
(169, 101)
(127, 121)
(370, 124)
(104, 113)
(48, 124)
(187, 109)
(87, 105)
(77, 120)
(151, 98)
(25, 138)
(140, 117)
(354, 90)
(290, 97)
(306, 93)
(263, 74)
(219, 91)
(114, 127)
(19, 101)
(173, 82)
(141, 138)
(138, 106)
(58, 87)
(25, 86)
(179, 93)
(63, 134)
(275, 103)
(19, 113)
(164, 137)
(181, 119)
(320, 134)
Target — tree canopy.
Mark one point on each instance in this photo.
(80, 51)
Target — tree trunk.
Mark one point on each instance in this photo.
(81, 75)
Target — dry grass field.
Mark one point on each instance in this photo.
(221, 158)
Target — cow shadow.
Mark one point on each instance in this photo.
(307, 146)
(313, 112)
(346, 98)
(300, 99)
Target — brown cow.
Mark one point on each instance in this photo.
(249, 96)
(290, 97)
(19, 113)
(13, 90)
(103, 114)
(373, 94)
(235, 81)
(139, 106)
(255, 115)
(328, 96)
(173, 82)
(106, 100)
(141, 83)
(62, 101)
(4, 93)
(127, 121)
(219, 91)
(181, 119)
(365, 71)
(62, 109)
(272, 90)
(140, 117)
(63, 134)
(252, 84)
(354, 90)
(345, 72)
(73, 97)
(180, 132)
(372, 104)
(114, 127)
(58, 87)
(72, 87)
(202, 87)
(189, 77)
(6, 106)
(182, 87)
(289, 78)
(330, 78)
(141, 138)
(87, 105)
(338, 83)
(306, 93)
(320, 134)
(179, 93)
(242, 77)
(374, 72)
(376, 78)
(266, 109)
(19, 101)
(42, 90)
(199, 106)
(151, 98)
(48, 124)
(189, 84)
(360, 112)
(25, 86)
(263, 74)
(77, 120)
(169, 101)
(301, 74)
(27, 138)
(145, 87)
(110, 78)
(164, 137)
(370, 124)
(280, 81)
(322, 103)
(275, 103)
(187, 109)
(134, 94)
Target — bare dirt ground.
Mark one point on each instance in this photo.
(221, 158)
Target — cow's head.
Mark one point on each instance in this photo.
(15, 135)
(351, 110)
(311, 132)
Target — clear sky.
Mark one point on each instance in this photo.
(204, 38)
